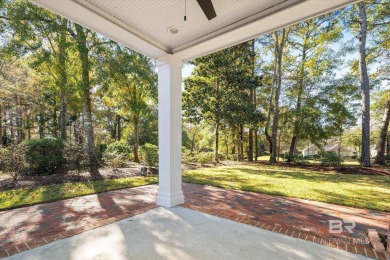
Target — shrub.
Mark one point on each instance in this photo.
(386, 159)
(12, 160)
(204, 158)
(114, 159)
(222, 157)
(331, 159)
(119, 147)
(44, 155)
(149, 154)
(297, 159)
(75, 156)
(187, 156)
(100, 149)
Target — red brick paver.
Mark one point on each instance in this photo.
(298, 218)
(26, 228)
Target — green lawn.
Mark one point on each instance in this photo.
(24, 197)
(361, 191)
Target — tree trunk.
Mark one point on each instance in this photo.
(250, 146)
(381, 145)
(278, 85)
(256, 146)
(365, 87)
(250, 139)
(118, 127)
(19, 119)
(256, 137)
(279, 144)
(241, 142)
(192, 143)
(54, 125)
(216, 140)
(227, 146)
(86, 95)
(251, 93)
(1, 125)
(298, 116)
(63, 80)
(41, 127)
(271, 105)
(238, 144)
(340, 143)
(136, 138)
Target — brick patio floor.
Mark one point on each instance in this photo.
(294, 217)
(29, 227)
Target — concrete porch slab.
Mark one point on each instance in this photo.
(181, 233)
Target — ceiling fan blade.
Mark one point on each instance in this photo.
(208, 8)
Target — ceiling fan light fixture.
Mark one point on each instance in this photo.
(173, 30)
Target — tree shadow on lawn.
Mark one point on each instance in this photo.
(356, 199)
(95, 174)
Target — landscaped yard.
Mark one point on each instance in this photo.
(23, 197)
(315, 183)
(362, 191)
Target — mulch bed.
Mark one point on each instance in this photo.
(374, 170)
(69, 176)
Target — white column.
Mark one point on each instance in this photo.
(170, 192)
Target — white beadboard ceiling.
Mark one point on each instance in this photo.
(152, 18)
(143, 24)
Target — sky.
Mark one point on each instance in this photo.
(187, 70)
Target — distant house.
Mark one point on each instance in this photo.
(373, 151)
(331, 147)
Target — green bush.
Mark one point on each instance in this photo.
(100, 149)
(222, 157)
(12, 161)
(149, 154)
(204, 158)
(386, 159)
(233, 157)
(115, 159)
(187, 156)
(297, 159)
(331, 159)
(44, 155)
(75, 156)
(120, 147)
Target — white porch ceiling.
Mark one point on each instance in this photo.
(143, 24)
(152, 18)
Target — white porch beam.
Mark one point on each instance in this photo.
(170, 191)
(269, 23)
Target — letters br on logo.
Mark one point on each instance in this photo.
(336, 226)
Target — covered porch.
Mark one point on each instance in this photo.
(214, 223)
(173, 32)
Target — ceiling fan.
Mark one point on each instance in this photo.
(207, 8)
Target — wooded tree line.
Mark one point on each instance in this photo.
(59, 79)
(295, 87)
(275, 94)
